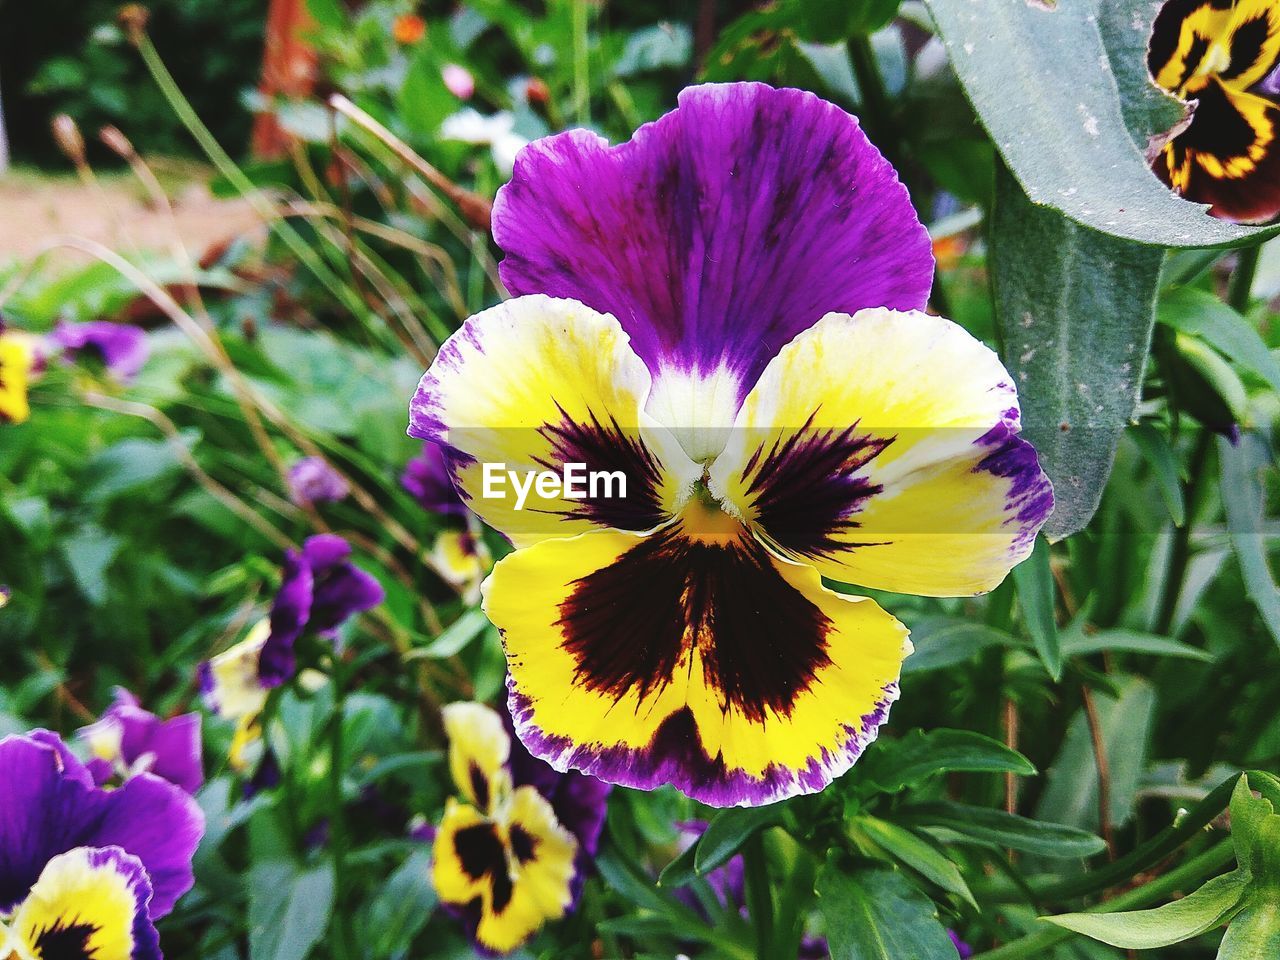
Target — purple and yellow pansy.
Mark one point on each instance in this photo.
(85, 870)
(511, 851)
(726, 312)
(129, 740)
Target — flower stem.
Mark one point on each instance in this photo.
(759, 896)
(1240, 293)
(876, 107)
(1198, 868)
(1180, 551)
(337, 813)
(581, 65)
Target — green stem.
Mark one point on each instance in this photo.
(877, 106)
(1194, 870)
(1240, 293)
(1180, 551)
(337, 813)
(759, 895)
(581, 72)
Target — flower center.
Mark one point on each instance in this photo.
(706, 518)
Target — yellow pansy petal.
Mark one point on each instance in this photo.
(478, 750)
(506, 876)
(1253, 39)
(883, 449)
(535, 384)
(230, 683)
(16, 360)
(691, 656)
(1188, 40)
(89, 904)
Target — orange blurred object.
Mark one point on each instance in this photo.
(408, 28)
(288, 70)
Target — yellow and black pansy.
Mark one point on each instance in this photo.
(502, 861)
(1223, 58)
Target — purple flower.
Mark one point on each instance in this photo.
(311, 481)
(122, 348)
(319, 592)
(962, 948)
(726, 313)
(427, 478)
(129, 741)
(50, 805)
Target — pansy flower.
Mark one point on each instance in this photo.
(426, 478)
(231, 686)
(120, 347)
(510, 854)
(320, 590)
(311, 481)
(17, 359)
(462, 560)
(1224, 58)
(724, 313)
(129, 740)
(84, 871)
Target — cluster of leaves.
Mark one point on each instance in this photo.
(1121, 661)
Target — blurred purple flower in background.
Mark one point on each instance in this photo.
(320, 591)
(962, 948)
(427, 478)
(311, 480)
(128, 741)
(122, 348)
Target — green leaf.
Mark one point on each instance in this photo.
(1254, 933)
(402, 906)
(1034, 580)
(1157, 451)
(453, 638)
(1075, 310)
(942, 642)
(1080, 644)
(680, 871)
(1248, 814)
(1243, 497)
(1068, 143)
(89, 553)
(918, 854)
(874, 913)
(663, 46)
(1071, 796)
(1209, 907)
(289, 909)
(1199, 313)
(728, 831)
(1007, 829)
(894, 765)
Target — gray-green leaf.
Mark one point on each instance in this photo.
(1068, 142)
(1075, 310)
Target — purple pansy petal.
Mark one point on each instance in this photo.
(717, 233)
(325, 551)
(121, 347)
(311, 480)
(580, 801)
(427, 478)
(341, 594)
(962, 948)
(289, 615)
(49, 807)
(170, 749)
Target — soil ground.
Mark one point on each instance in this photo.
(36, 208)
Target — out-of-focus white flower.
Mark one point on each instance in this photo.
(496, 131)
